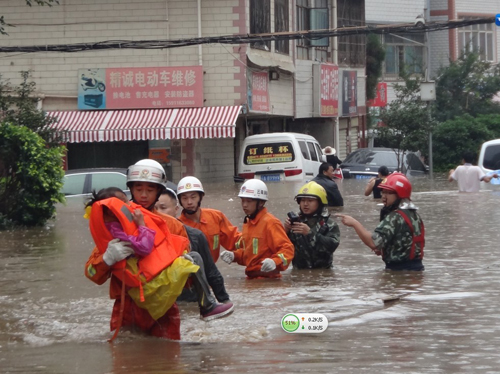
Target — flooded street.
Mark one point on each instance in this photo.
(54, 320)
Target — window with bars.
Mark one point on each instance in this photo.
(404, 50)
(260, 21)
(281, 24)
(479, 39)
(352, 48)
(312, 16)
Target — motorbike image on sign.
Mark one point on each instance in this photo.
(91, 83)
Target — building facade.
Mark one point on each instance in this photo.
(119, 105)
(449, 44)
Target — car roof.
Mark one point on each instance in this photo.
(274, 135)
(97, 170)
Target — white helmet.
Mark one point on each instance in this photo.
(189, 184)
(146, 171)
(254, 189)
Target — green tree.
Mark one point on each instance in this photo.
(30, 3)
(406, 119)
(466, 86)
(455, 136)
(31, 176)
(18, 106)
(375, 56)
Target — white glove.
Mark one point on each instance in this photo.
(188, 257)
(117, 251)
(227, 256)
(267, 265)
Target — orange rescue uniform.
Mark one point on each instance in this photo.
(167, 326)
(264, 237)
(217, 229)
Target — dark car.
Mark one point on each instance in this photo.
(80, 182)
(364, 163)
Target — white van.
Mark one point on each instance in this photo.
(489, 156)
(279, 156)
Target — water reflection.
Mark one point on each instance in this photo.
(52, 319)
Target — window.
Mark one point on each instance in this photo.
(492, 157)
(303, 24)
(313, 18)
(303, 149)
(281, 24)
(103, 180)
(73, 184)
(260, 21)
(268, 153)
(352, 48)
(314, 156)
(405, 50)
(477, 38)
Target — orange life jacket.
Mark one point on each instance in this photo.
(167, 247)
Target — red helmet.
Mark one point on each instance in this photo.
(397, 183)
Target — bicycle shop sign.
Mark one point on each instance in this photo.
(140, 88)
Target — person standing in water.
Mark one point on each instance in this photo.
(400, 236)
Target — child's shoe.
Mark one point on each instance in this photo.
(217, 311)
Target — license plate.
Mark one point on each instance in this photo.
(270, 178)
(363, 176)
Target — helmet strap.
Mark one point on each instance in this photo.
(387, 209)
(188, 211)
(257, 210)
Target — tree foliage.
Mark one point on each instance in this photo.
(31, 176)
(375, 56)
(30, 3)
(406, 119)
(18, 106)
(466, 86)
(465, 133)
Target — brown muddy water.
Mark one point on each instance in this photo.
(54, 320)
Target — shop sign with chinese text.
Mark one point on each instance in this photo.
(259, 100)
(140, 88)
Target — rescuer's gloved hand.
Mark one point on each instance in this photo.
(268, 265)
(227, 256)
(117, 251)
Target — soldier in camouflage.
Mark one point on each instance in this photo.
(399, 237)
(314, 234)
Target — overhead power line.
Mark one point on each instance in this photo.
(250, 38)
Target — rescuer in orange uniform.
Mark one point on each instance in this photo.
(146, 180)
(213, 223)
(266, 249)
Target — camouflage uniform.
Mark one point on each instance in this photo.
(393, 238)
(315, 250)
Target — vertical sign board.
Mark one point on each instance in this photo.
(258, 99)
(141, 88)
(326, 90)
(380, 100)
(349, 93)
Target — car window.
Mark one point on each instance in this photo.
(73, 184)
(314, 156)
(268, 153)
(372, 158)
(414, 162)
(303, 149)
(104, 180)
(492, 157)
(319, 150)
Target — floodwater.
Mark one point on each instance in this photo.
(54, 320)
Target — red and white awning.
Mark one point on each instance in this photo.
(150, 124)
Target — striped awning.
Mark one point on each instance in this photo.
(150, 124)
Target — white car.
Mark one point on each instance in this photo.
(279, 156)
(489, 156)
